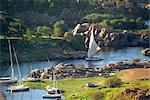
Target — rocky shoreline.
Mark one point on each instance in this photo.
(67, 70)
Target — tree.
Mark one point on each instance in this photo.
(29, 33)
(59, 28)
(113, 82)
(43, 30)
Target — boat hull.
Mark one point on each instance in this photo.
(8, 81)
(32, 80)
(5, 78)
(57, 97)
(18, 89)
(93, 59)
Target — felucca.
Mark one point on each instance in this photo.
(93, 48)
(20, 86)
(11, 79)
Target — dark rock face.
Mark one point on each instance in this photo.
(141, 97)
(140, 93)
(146, 52)
(120, 39)
(106, 37)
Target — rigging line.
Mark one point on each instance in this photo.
(16, 58)
(11, 61)
(6, 72)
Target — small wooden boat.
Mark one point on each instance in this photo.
(18, 88)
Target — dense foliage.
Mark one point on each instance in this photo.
(48, 17)
(113, 82)
(54, 20)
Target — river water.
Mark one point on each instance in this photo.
(108, 57)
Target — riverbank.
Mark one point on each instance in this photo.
(77, 89)
(68, 70)
(41, 49)
(134, 77)
(43, 57)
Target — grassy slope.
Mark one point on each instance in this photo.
(76, 89)
(132, 74)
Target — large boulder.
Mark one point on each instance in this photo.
(112, 39)
(105, 37)
(141, 97)
(83, 29)
(146, 52)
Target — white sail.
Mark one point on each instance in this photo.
(93, 47)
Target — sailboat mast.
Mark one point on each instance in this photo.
(17, 63)
(11, 61)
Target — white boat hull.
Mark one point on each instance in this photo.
(8, 81)
(18, 88)
(53, 96)
(32, 80)
(5, 78)
(93, 59)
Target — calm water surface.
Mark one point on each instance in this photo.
(108, 57)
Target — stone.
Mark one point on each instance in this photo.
(146, 52)
(141, 97)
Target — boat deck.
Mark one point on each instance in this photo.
(2, 97)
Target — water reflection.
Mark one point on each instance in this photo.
(33, 94)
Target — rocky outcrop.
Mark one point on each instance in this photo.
(121, 39)
(106, 37)
(125, 65)
(68, 70)
(146, 52)
(112, 39)
(140, 93)
(65, 70)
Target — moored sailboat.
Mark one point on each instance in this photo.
(53, 92)
(9, 80)
(20, 86)
(93, 48)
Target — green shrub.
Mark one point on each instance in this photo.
(113, 82)
(59, 28)
(94, 17)
(124, 19)
(97, 96)
(68, 35)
